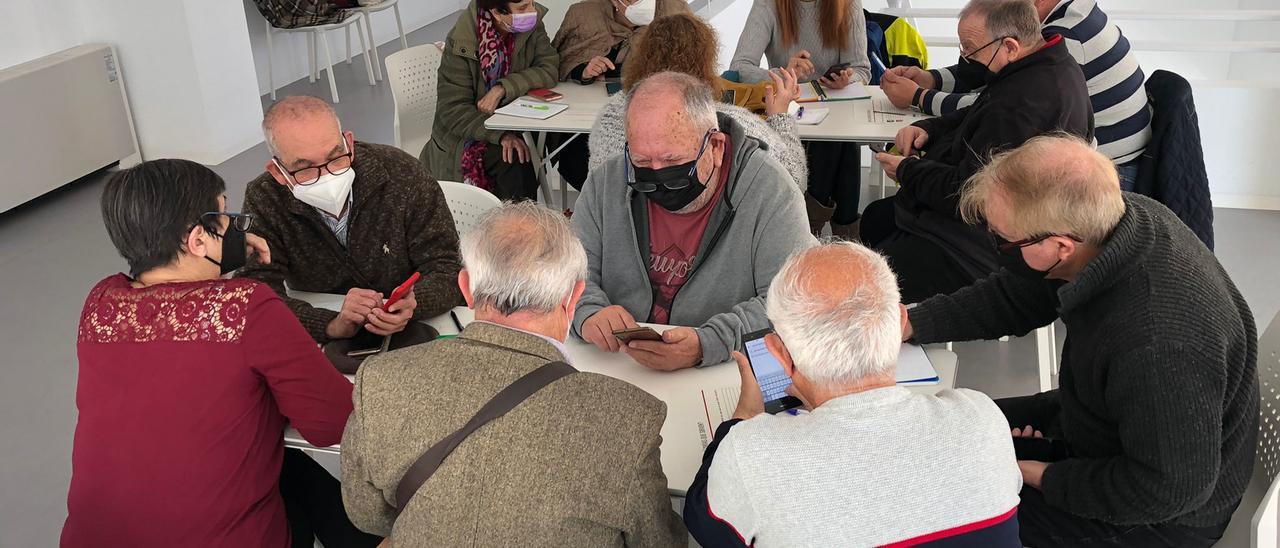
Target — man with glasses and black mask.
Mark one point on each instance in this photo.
(686, 228)
(1151, 434)
(1034, 87)
(351, 218)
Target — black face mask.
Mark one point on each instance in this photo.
(1013, 261)
(674, 187)
(233, 251)
(663, 195)
(972, 71)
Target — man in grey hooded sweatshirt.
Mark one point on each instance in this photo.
(686, 228)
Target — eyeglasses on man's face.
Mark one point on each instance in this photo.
(336, 166)
(238, 221)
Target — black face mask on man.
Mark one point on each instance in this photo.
(1010, 257)
(672, 187)
(969, 70)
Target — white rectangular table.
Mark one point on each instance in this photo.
(684, 433)
(848, 121)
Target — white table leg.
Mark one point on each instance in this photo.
(1044, 358)
(539, 170)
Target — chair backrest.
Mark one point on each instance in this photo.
(413, 74)
(1269, 392)
(467, 203)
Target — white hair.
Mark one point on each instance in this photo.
(699, 104)
(522, 257)
(844, 327)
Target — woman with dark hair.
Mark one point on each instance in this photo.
(497, 51)
(685, 43)
(810, 37)
(187, 380)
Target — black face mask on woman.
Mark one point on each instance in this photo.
(233, 250)
(672, 187)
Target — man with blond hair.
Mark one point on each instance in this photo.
(1154, 425)
(871, 464)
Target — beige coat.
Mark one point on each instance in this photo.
(591, 29)
(577, 464)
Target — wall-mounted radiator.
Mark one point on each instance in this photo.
(62, 116)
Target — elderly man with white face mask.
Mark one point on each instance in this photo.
(353, 218)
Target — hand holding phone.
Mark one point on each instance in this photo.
(637, 334)
(400, 291)
(772, 379)
(835, 70)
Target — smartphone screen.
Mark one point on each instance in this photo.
(772, 379)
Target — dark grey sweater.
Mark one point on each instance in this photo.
(1159, 388)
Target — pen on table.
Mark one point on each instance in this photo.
(535, 107)
(800, 114)
(456, 323)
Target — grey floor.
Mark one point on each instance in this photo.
(54, 249)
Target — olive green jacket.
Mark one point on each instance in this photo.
(461, 85)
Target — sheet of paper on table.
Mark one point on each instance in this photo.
(718, 404)
(529, 108)
(811, 116)
(883, 112)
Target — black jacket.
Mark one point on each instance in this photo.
(1172, 169)
(1041, 93)
(1159, 388)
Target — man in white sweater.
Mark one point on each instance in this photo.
(871, 463)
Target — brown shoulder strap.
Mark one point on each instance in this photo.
(506, 400)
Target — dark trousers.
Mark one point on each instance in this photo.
(512, 182)
(1043, 525)
(835, 176)
(924, 269)
(572, 160)
(313, 505)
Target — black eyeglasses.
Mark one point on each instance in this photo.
(1005, 246)
(335, 166)
(684, 182)
(238, 221)
(985, 46)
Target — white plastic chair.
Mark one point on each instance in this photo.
(1258, 516)
(368, 12)
(317, 33)
(467, 203)
(414, 77)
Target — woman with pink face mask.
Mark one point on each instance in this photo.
(497, 51)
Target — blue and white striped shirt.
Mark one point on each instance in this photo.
(1120, 111)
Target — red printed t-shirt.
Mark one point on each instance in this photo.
(673, 242)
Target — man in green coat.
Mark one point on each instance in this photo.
(476, 77)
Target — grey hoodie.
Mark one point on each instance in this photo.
(757, 224)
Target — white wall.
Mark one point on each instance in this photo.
(187, 66)
(291, 49)
(1237, 95)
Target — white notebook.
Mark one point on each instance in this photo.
(527, 108)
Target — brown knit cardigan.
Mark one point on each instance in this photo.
(399, 224)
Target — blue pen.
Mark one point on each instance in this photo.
(879, 64)
(800, 114)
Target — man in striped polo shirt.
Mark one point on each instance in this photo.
(1120, 109)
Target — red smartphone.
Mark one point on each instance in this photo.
(545, 94)
(401, 290)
